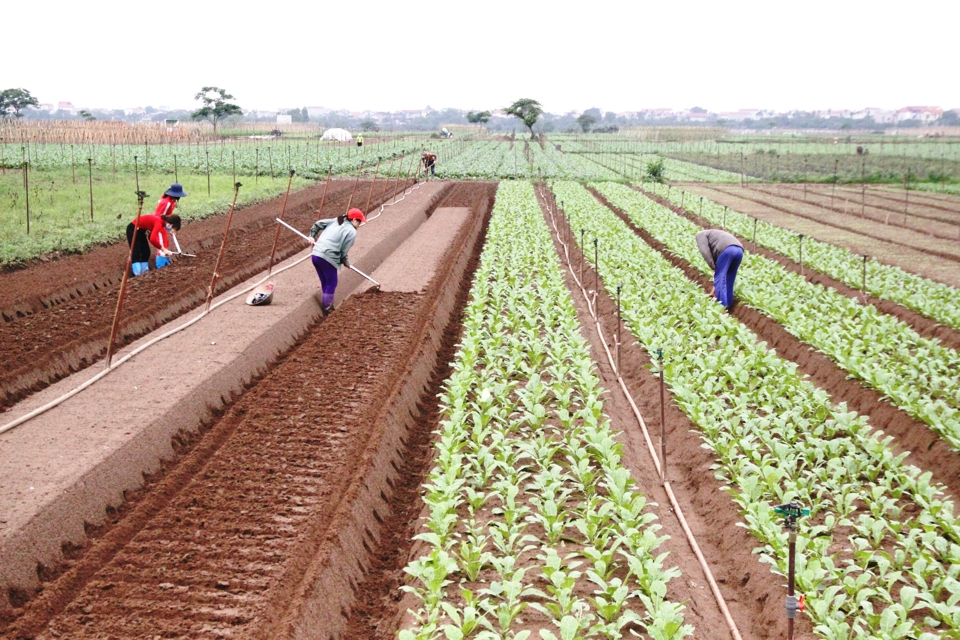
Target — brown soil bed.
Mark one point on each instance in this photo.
(919, 323)
(266, 527)
(378, 611)
(938, 222)
(926, 449)
(871, 228)
(55, 340)
(909, 258)
(753, 593)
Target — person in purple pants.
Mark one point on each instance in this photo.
(332, 241)
(723, 252)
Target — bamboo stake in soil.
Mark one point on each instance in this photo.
(126, 277)
(323, 198)
(356, 182)
(223, 245)
(376, 173)
(90, 174)
(397, 181)
(26, 187)
(864, 287)
(276, 235)
(663, 423)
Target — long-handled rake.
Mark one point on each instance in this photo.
(311, 241)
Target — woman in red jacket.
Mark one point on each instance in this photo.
(153, 230)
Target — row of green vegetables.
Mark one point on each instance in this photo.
(680, 170)
(520, 159)
(532, 522)
(935, 300)
(879, 556)
(917, 374)
(267, 157)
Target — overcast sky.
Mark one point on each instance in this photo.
(390, 55)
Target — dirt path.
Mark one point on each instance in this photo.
(749, 588)
(50, 343)
(265, 528)
(912, 259)
(925, 449)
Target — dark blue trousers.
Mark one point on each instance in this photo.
(726, 272)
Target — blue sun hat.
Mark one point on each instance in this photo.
(175, 191)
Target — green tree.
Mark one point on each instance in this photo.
(655, 170)
(304, 116)
(215, 106)
(13, 101)
(585, 121)
(294, 115)
(368, 125)
(86, 115)
(479, 118)
(527, 111)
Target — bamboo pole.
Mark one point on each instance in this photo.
(276, 235)
(123, 282)
(223, 246)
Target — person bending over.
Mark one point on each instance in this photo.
(148, 230)
(332, 241)
(723, 252)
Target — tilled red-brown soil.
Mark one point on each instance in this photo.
(65, 308)
(935, 221)
(271, 519)
(226, 543)
(926, 449)
(940, 246)
(377, 613)
(921, 324)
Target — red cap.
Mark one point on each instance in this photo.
(356, 214)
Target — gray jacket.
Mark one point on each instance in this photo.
(712, 242)
(334, 242)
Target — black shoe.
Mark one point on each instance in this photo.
(327, 310)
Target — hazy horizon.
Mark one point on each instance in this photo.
(615, 56)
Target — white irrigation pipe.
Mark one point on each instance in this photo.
(714, 587)
(116, 363)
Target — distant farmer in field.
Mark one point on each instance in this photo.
(359, 141)
(723, 252)
(332, 240)
(429, 161)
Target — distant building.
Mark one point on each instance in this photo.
(880, 116)
(67, 106)
(741, 115)
(921, 114)
(284, 119)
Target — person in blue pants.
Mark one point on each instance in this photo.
(723, 252)
(332, 241)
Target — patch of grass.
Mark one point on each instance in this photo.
(60, 209)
